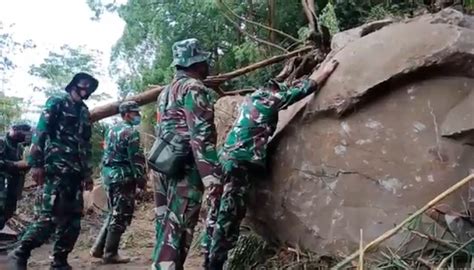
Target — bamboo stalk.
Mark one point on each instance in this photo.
(393, 231)
(361, 250)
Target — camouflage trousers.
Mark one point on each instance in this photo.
(213, 197)
(8, 198)
(178, 204)
(232, 209)
(60, 213)
(121, 205)
(160, 186)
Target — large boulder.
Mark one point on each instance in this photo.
(386, 134)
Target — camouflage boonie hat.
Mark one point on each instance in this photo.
(21, 126)
(129, 106)
(91, 83)
(187, 52)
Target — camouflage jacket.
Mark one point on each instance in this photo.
(123, 158)
(9, 153)
(61, 142)
(189, 111)
(258, 117)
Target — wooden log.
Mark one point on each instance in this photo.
(151, 95)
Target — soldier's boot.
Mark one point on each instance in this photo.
(60, 263)
(206, 261)
(111, 255)
(97, 250)
(18, 258)
(215, 264)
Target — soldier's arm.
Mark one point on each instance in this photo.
(291, 93)
(136, 156)
(88, 152)
(43, 129)
(5, 165)
(297, 90)
(200, 119)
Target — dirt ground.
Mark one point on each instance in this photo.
(137, 243)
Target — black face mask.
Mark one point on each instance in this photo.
(20, 136)
(78, 91)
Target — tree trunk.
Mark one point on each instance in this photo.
(151, 95)
(271, 20)
(250, 27)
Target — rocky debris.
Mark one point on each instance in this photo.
(340, 40)
(226, 111)
(448, 16)
(371, 150)
(95, 200)
(459, 224)
(460, 119)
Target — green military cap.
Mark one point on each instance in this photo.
(187, 52)
(129, 106)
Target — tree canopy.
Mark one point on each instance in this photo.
(58, 67)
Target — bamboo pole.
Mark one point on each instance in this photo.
(393, 231)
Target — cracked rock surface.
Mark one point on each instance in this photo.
(385, 135)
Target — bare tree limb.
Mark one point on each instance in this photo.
(254, 38)
(308, 8)
(222, 3)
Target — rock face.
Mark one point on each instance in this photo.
(225, 112)
(385, 135)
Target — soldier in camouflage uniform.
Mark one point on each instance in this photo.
(12, 169)
(244, 153)
(186, 107)
(60, 159)
(123, 169)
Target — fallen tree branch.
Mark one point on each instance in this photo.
(252, 37)
(233, 13)
(393, 231)
(434, 239)
(258, 65)
(151, 95)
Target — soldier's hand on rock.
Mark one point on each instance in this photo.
(324, 71)
(88, 184)
(38, 175)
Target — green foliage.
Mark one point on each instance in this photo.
(9, 47)
(10, 111)
(58, 68)
(353, 13)
(98, 134)
(99, 8)
(328, 18)
(142, 56)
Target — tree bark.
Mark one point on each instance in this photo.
(271, 20)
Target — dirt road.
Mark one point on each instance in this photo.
(137, 243)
